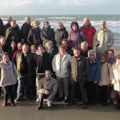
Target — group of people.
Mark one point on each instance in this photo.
(44, 64)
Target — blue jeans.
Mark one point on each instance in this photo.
(22, 89)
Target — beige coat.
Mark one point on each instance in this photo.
(8, 74)
(105, 74)
(104, 38)
(115, 76)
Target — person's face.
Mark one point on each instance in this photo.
(92, 56)
(118, 61)
(59, 26)
(47, 75)
(62, 51)
(13, 23)
(86, 21)
(102, 25)
(76, 53)
(110, 54)
(2, 42)
(102, 59)
(74, 27)
(49, 46)
(33, 49)
(84, 46)
(64, 43)
(13, 44)
(25, 49)
(19, 46)
(9, 19)
(46, 25)
(27, 20)
(40, 50)
(5, 58)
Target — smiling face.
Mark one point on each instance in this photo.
(5, 58)
(76, 52)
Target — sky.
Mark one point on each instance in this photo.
(59, 7)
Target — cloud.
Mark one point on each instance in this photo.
(21, 3)
(58, 6)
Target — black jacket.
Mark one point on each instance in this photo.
(13, 34)
(47, 34)
(60, 34)
(24, 31)
(34, 36)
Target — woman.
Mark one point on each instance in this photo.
(75, 37)
(115, 79)
(8, 79)
(104, 82)
(93, 76)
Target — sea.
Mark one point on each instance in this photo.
(113, 21)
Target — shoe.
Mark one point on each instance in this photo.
(5, 104)
(66, 100)
(117, 107)
(19, 99)
(13, 103)
(39, 107)
(84, 106)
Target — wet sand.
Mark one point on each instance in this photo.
(27, 111)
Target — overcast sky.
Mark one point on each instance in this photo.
(57, 7)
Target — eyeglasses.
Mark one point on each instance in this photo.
(102, 58)
(91, 54)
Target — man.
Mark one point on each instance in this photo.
(84, 49)
(61, 67)
(7, 25)
(47, 33)
(48, 89)
(34, 35)
(13, 33)
(43, 62)
(25, 29)
(60, 34)
(26, 64)
(88, 31)
(79, 67)
(103, 39)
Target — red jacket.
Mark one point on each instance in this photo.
(89, 32)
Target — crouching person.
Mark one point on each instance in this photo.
(115, 79)
(8, 79)
(48, 90)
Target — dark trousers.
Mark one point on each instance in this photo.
(9, 91)
(103, 94)
(82, 90)
(64, 87)
(91, 92)
(32, 86)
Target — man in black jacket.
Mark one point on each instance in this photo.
(26, 70)
(25, 29)
(34, 35)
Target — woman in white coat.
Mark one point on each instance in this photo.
(115, 79)
(7, 79)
